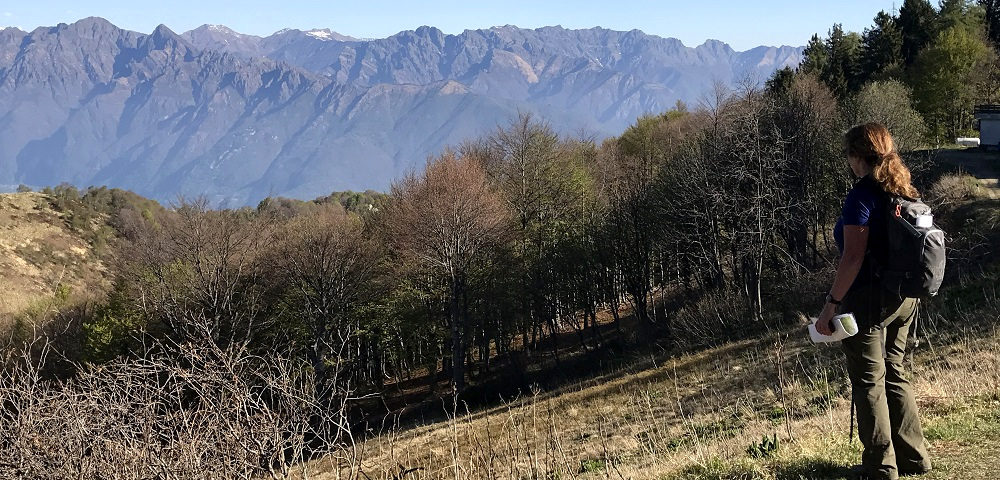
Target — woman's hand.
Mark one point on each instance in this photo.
(855, 245)
(824, 325)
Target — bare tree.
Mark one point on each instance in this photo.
(636, 224)
(808, 120)
(323, 274)
(446, 219)
(549, 189)
(196, 272)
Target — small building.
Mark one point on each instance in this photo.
(988, 118)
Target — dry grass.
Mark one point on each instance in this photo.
(38, 253)
(693, 416)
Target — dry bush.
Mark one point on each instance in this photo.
(186, 411)
(954, 188)
(710, 320)
(198, 394)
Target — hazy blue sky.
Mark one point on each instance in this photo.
(742, 24)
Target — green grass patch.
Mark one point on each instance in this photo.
(971, 420)
(593, 465)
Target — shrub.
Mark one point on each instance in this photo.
(890, 103)
(954, 188)
(767, 447)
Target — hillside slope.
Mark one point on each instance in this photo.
(40, 255)
(698, 416)
(703, 416)
(770, 407)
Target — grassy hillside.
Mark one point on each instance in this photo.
(705, 415)
(770, 407)
(42, 256)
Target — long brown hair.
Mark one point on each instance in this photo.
(872, 143)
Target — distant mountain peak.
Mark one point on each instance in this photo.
(163, 33)
(322, 34)
(217, 31)
(220, 28)
(428, 29)
(91, 21)
(89, 24)
(163, 36)
(163, 30)
(716, 46)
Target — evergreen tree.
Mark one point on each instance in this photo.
(960, 13)
(916, 25)
(882, 48)
(842, 73)
(991, 13)
(780, 81)
(815, 56)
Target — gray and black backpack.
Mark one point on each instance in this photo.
(915, 265)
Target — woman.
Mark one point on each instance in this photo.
(888, 424)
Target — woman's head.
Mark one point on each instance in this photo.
(870, 149)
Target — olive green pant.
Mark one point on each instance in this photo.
(888, 424)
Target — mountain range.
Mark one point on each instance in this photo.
(239, 117)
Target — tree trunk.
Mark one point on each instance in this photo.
(457, 340)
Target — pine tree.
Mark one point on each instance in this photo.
(815, 56)
(780, 81)
(882, 47)
(842, 72)
(917, 20)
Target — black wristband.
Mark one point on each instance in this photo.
(830, 299)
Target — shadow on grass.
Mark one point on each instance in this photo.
(805, 469)
(812, 469)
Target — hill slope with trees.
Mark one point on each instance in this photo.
(256, 340)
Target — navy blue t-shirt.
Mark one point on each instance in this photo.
(865, 206)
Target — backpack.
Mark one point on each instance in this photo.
(916, 260)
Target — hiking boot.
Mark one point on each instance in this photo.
(913, 473)
(860, 472)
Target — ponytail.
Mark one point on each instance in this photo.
(873, 144)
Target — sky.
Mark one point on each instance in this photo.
(742, 24)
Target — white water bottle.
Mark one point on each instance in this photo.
(925, 221)
(843, 326)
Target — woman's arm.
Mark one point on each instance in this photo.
(855, 245)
